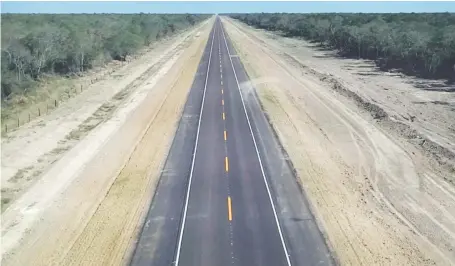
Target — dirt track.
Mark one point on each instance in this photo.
(32, 149)
(381, 198)
(86, 208)
(381, 192)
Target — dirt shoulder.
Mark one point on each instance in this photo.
(87, 208)
(421, 110)
(382, 197)
(29, 151)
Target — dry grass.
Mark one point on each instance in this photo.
(39, 101)
(378, 199)
(23, 178)
(108, 214)
(50, 92)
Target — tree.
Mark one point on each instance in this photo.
(123, 44)
(418, 44)
(60, 44)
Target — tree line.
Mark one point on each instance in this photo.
(418, 44)
(34, 45)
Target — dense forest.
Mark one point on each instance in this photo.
(34, 45)
(417, 44)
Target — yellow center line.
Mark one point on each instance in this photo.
(226, 164)
(229, 208)
(225, 135)
(224, 117)
(222, 102)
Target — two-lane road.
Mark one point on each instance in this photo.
(229, 217)
(215, 204)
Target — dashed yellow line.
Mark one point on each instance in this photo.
(229, 202)
(226, 164)
(225, 135)
(224, 117)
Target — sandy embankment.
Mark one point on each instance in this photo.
(29, 151)
(382, 199)
(110, 176)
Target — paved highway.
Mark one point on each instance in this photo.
(227, 195)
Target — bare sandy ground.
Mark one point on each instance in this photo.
(373, 152)
(32, 149)
(86, 208)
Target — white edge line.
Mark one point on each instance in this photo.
(182, 227)
(259, 157)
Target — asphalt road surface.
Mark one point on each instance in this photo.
(227, 194)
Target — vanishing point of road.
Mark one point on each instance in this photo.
(227, 194)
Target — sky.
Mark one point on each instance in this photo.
(224, 7)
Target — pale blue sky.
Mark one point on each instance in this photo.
(224, 7)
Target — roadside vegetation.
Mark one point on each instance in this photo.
(416, 44)
(36, 47)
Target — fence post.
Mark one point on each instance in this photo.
(81, 87)
(39, 111)
(55, 103)
(28, 117)
(6, 127)
(18, 122)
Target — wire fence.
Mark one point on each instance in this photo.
(44, 108)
